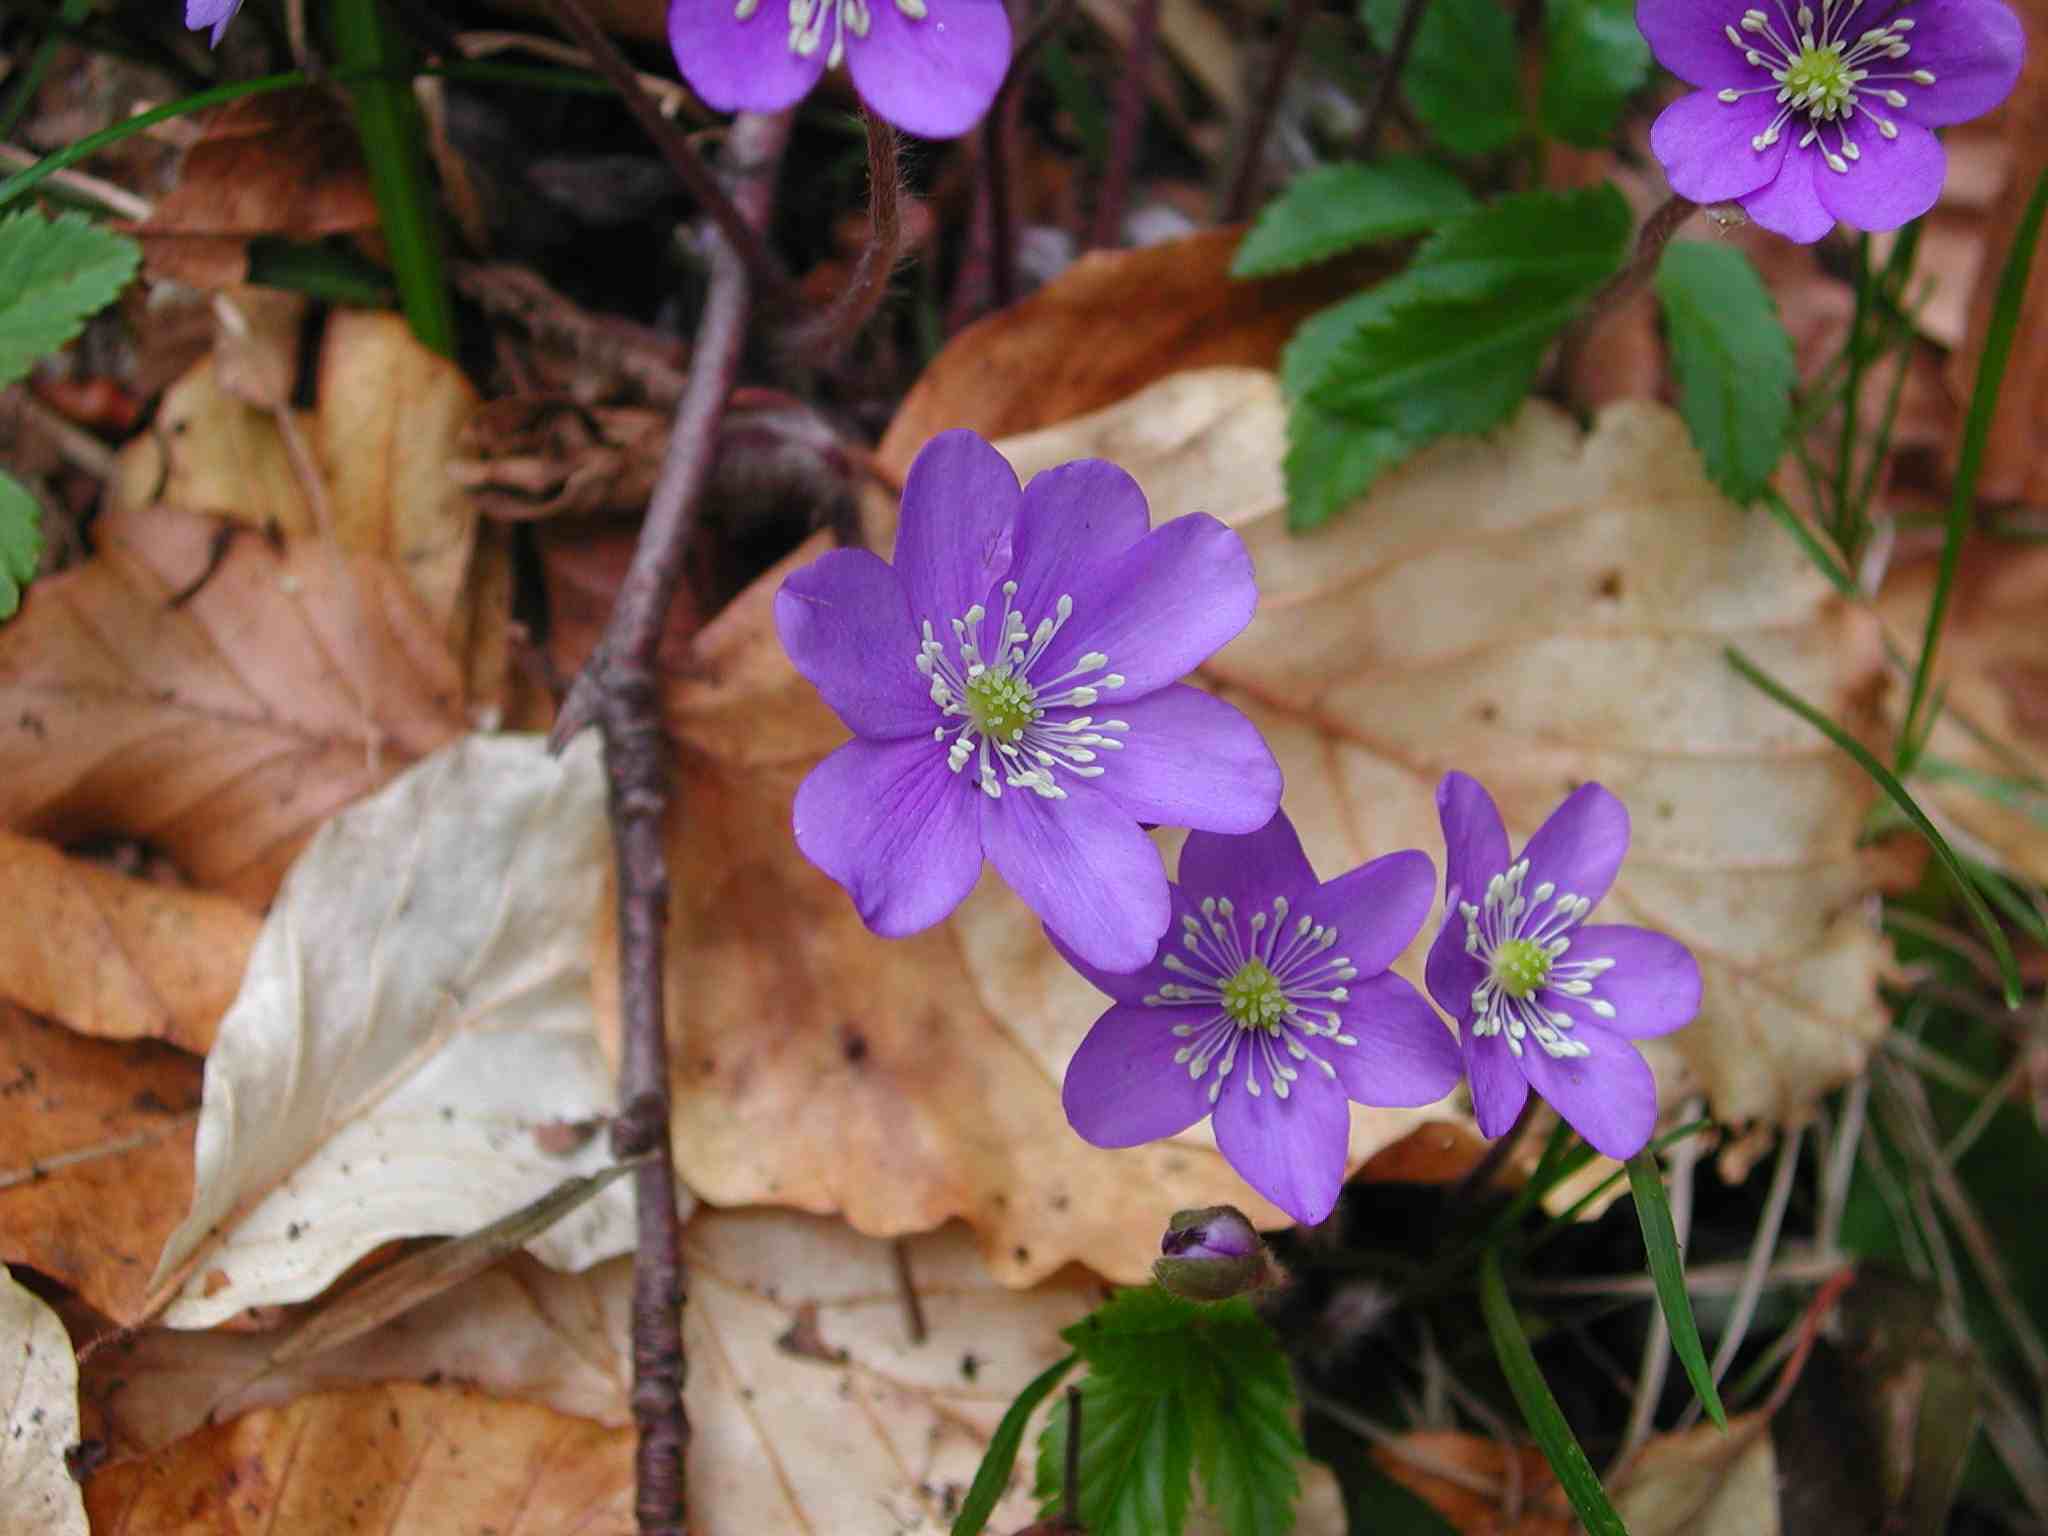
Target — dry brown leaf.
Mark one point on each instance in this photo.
(39, 1384)
(220, 709)
(1447, 1468)
(114, 956)
(1993, 661)
(1705, 1481)
(95, 1157)
(536, 456)
(403, 1459)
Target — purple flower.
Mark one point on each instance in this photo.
(1013, 685)
(1252, 1018)
(1805, 119)
(1541, 1000)
(931, 67)
(211, 13)
(1211, 1254)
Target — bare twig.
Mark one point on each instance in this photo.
(1070, 1490)
(988, 272)
(763, 268)
(617, 692)
(1244, 185)
(1127, 126)
(906, 1286)
(1390, 77)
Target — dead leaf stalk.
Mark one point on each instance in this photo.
(1127, 127)
(618, 692)
(1251, 154)
(1758, 1268)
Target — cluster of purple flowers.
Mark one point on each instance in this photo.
(1012, 683)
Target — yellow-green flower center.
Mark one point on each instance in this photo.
(1520, 966)
(1253, 997)
(1820, 82)
(1001, 705)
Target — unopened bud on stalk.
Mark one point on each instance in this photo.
(1212, 1254)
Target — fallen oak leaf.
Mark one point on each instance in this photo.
(39, 1384)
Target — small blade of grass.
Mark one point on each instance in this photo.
(2005, 320)
(1546, 1420)
(1667, 1269)
(1824, 559)
(993, 1475)
(2008, 969)
(1563, 1219)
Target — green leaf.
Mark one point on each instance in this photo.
(993, 1475)
(21, 541)
(1733, 361)
(1667, 1269)
(1245, 1441)
(1488, 293)
(1546, 1420)
(1464, 75)
(53, 275)
(1595, 59)
(1137, 1454)
(1338, 207)
(1141, 1334)
(1333, 460)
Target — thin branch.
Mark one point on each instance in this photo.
(1389, 82)
(763, 268)
(988, 277)
(1244, 186)
(618, 692)
(1127, 126)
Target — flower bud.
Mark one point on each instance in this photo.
(1212, 1254)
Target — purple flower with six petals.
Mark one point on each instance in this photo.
(1257, 1017)
(1541, 1001)
(211, 13)
(1805, 119)
(931, 67)
(1013, 685)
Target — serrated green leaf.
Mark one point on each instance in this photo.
(1595, 59)
(1137, 1458)
(21, 541)
(1464, 74)
(1336, 208)
(1246, 1445)
(1733, 361)
(1140, 1333)
(1490, 292)
(53, 275)
(1667, 1269)
(993, 1475)
(1332, 461)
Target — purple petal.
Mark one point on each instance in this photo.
(1191, 760)
(1475, 842)
(1452, 974)
(1498, 1088)
(211, 13)
(1132, 986)
(1704, 145)
(933, 77)
(845, 622)
(1123, 1086)
(1404, 1056)
(1377, 909)
(1580, 847)
(739, 66)
(1157, 609)
(1290, 1150)
(959, 515)
(1890, 182)
(1653, 987)
(892, 825)
(1251, 868)
(1084, 867)
(1074, 517)
(1686, 38)
(1609, 1097)
(1790, 204)
(1973, 48)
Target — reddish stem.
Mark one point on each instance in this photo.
(1128, 126)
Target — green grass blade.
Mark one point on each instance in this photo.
(1824, 559)
(393, 136)
(993, 1475)
(2005, 320)
(1667, 1268)
(2008, 970)
(1562, 1221)
(1546, 1420)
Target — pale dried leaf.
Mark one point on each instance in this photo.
(115, 956)
(414, 1018)
(95, 1157)
(39, 1384)
(1705, 1481)
(219, 711)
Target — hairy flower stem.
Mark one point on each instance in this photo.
(1244, 185)
(1389, 83)
(823, 338)
(1127, 126)
(1655, 234)
(768, 276)
(618, 691)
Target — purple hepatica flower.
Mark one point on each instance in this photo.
(211, 13)
(1805, 119)
(931, 67)
(1252, 1018)
(1541, 1000)
(1013, 682)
